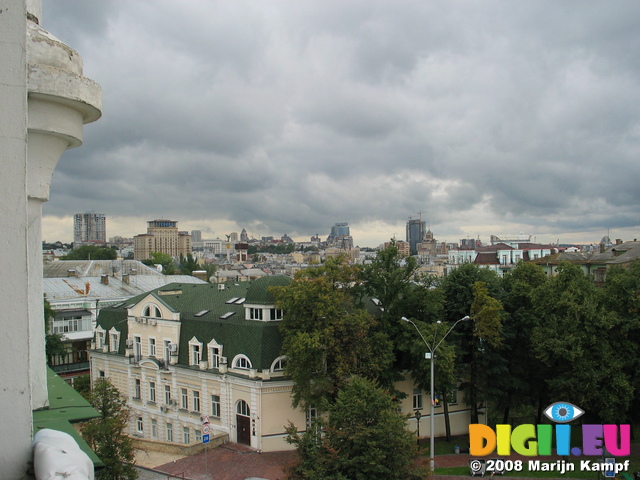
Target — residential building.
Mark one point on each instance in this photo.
(182, 352)
(499, 257)
(404, 248)
(162, 236)
(594, 263)
(89, 227)
(78, 289)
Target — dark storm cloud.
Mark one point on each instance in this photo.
(292, 116)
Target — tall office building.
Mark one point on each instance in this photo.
(416, 229)
(340, 236)
(162, 236)
(89, 227)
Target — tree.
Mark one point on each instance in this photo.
(91, 252)
(82, 385)
(579, 340)
(327, 335)
(469, 290)
(163, 259)
(54, 345)
(363, 438)
(526, 386)
(188, 264)
(106, 434)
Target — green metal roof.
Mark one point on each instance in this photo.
(259, 292)
(258, 340)
(66, 406)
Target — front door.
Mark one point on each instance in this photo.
(244, 429)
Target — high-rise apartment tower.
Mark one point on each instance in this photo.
(89, 227)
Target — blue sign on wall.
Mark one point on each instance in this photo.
(205, 438)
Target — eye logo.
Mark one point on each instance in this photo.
(563, 412)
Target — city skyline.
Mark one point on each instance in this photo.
(231, 115)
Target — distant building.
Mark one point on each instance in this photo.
(244, 236)
(403, 248)
(340, 236)
(89, 227)
(196, 235)
(162, 236)
(416, 229)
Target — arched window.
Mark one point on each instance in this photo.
(243, 409)
(242, 361)
(279, 364)
(151, 311)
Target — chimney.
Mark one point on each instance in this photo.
(618, 241)
(125, 278)
(71, 273)
(104, 279)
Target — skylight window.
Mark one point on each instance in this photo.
(240, 301)
(226, 315)
(201, 313)
(231, 300)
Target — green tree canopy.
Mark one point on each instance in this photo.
(364, 438)
(91, 252)
(106, 434)
(163, 259)
(327, 335)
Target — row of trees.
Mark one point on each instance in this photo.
(534, 340)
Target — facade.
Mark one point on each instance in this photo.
(162, 236)
(45, 101)
(499, 257)
(78, 289)
(340, 236)
(404, 249)
(89, 228)
(182, 352)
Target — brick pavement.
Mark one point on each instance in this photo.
(237, 462)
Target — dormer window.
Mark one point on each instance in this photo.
(255, 313)
(242, 362)
(195, 351)
(276, 314)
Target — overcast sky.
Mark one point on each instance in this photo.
(491, 117)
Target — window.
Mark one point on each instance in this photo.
(154, 428)
(115, 337)
(279, 364)
(452, 397)
(186, 437)
(167, 395)
(198, 435)
(243, 409)
(196, 401)
(137, 348)
(152, 392)
(169, 432)
(242, 362)
(215, 406)
(184, 398)
(311, 416)
(195, 354)
(136, 388)
(255, 314)
(101, 373)
(152, 347)
(214, 357)
(99, 339)
(276, 314)
(151, 311)
(417, 399)
(167, 351)
(139, 425)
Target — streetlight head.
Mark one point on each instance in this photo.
(405, 319)
(466, 317)
(439, 322)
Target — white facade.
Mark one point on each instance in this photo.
(44, 102)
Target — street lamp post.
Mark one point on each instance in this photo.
(431, 356)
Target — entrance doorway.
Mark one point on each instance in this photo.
(243, 423)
